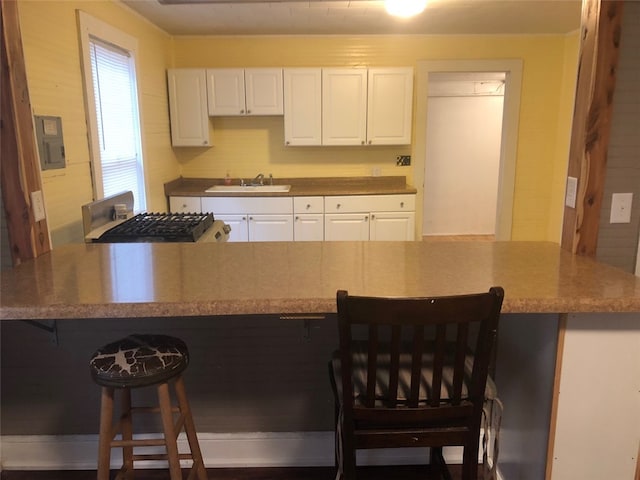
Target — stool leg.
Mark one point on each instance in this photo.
(104, 441)
(190, 429)
(127, 432)
(169, 431)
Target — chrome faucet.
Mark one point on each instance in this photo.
(258, 180)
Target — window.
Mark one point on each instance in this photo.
(112, 108)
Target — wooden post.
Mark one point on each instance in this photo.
(599, 52)
(20, 165)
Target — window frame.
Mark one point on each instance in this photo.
(88, 27)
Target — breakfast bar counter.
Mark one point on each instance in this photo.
(260, 322)
(182, 279)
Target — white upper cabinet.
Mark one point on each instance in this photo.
(302, 106)
(251, 91)
(367, 107)
(389, 106)
(188, 107)
(344, 106)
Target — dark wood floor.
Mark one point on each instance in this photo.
(289, 473)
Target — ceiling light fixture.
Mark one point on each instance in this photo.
(405, 8)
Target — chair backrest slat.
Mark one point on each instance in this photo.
(438, 364)
(372, 365)
(416, 365)
(462, 339)
(394, 365)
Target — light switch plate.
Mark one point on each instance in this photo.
(37, 204)
(572, 192)
(621, 208)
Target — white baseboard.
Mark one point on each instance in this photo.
(252, 449)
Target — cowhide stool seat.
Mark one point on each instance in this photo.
(143, 361)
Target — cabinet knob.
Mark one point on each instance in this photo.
(248, 112)
(297, 218)
(370, 142)
(366, 218)
(242, 111)
(308, 206)
(287, 142)
(337, 206)
(205, 143)
(250, 218)
(401, 204)
(244, 218)
(362, 142)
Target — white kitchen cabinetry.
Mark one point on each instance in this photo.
(308, 219)
(367, 107)
(389, 106)
(254, 219)
(185, 205)
(250, 91)
(344, 106)
(188, 107)
(302, 106)
(370, 217)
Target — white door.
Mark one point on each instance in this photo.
(225, 87)
(239, 227)
(302, 106)
(344, 106)
(392, 226)
(188, 107)
(389, 106)
(346, 226)
(308, 227)
(263, 91)
(270, 228)
(462, 161)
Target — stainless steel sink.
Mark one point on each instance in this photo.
(248, 188)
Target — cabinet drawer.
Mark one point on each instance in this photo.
(239, 205)
(184, 205)
(370, 203)
(308, 205)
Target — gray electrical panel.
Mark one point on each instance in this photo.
(50, 142)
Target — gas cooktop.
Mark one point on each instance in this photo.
(159, 227)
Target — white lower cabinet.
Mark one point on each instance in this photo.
(308, 219)
(369, 217)
(185, 205)
(254, 219)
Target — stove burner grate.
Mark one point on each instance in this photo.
(159, 227)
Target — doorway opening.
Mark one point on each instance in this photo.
(465, 148)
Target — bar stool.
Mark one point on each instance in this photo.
(142, 361)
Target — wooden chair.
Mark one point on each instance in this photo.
(412, 372)
(143, 361)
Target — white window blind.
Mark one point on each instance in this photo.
(114, 86)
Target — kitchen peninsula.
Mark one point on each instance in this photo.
(569, 335)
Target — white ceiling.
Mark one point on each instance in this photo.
(359, 17)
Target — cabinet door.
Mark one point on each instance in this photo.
(225, 87)
(389, 106)
(346, 226)
(188, 107)
(392, 226)
(263, 91)
(308, 227)
(270, 228)
(239, 227)
(302, 106)
(185, 205)
(344, 106)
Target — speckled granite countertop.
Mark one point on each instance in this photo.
(320, 186)
(193, 279)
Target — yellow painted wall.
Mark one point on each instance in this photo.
(246, 146)
(52, 57)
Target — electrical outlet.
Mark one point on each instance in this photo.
(621, 208)
(403, 160)
(37, 205)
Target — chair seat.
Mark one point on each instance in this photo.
(139, 360)
(359, 379)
